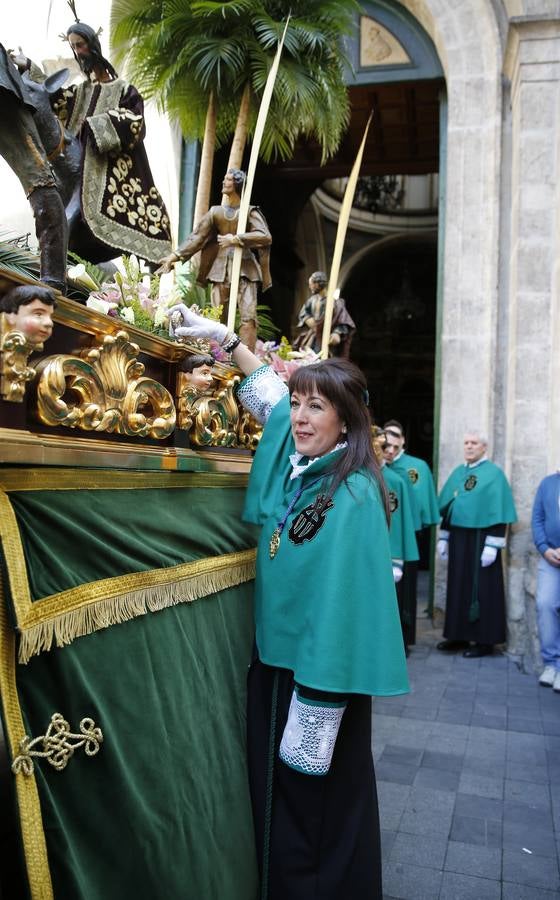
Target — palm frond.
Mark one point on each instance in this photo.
(18, 261)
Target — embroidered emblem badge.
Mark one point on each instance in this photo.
(413, 475)
(393, 501)
(471, 482)
(308, 522)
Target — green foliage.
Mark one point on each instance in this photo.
(179, 51)
(266, 329)
(284, 348)
(141, 318)
(190, 292)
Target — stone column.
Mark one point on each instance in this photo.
(532, 446)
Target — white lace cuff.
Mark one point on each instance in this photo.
(261, 391)
(310, 734)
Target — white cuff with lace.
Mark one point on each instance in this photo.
(261, 391)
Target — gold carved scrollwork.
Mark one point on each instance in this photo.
(211, 418)
(14, 371)
(104, 389)
(214, 419)
(57, 745)
(249, 431)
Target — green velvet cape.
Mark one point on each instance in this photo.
(326, 607)
(477, 497)
(401, 533)
(420, 477)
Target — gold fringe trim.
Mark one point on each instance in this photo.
(65, 479)
(63, 617)
(29, 807)
(65, 603)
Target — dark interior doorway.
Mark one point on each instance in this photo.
(391, 295)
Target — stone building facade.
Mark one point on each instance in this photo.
(497, 224)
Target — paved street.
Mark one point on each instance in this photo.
(468, 770)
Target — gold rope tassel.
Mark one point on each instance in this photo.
(63, 629)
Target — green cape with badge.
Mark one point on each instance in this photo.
(420, 477)
(401, 533)
(477, 497)
(325, 605)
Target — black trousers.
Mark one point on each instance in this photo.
(317, 836)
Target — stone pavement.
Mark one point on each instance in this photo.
(468, 775)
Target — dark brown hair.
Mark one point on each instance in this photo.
(90, 35)
(343, 384)
(395, 425)
(25, 294)
(195, 361)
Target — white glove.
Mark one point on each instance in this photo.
(397, 573)
(488, 556)
(443, 548)
(195, 326)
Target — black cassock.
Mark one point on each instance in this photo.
(475, 608)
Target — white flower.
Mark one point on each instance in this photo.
(78, 273)
(127, 313)
(102, 306)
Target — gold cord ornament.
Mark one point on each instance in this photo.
(58, 745)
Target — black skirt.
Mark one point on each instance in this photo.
(317, 837)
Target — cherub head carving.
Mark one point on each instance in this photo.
(197, 369)
(28, 309)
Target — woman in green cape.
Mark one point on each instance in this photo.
(328, 636)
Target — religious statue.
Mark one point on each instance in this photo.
(22, 148)
(113, 206)
(216, 237)
(312, 316)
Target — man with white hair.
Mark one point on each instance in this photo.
(476, 505)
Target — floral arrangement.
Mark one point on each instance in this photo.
(141, 299)
(132, 296)
(283, 359)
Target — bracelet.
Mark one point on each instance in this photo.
(231, 342)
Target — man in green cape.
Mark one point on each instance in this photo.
(476, 505)
(402, 536)
(417, 474)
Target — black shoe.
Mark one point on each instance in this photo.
(450, 646)
(478, 650)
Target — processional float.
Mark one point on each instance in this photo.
(126, 604)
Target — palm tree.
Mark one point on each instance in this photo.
(206, 63)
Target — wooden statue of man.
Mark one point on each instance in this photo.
(215, 236)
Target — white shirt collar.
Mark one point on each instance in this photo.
(473, 465)
(297, 469)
